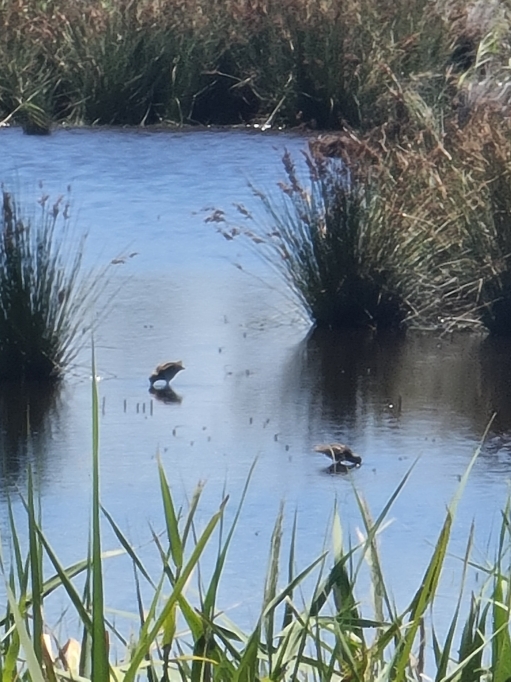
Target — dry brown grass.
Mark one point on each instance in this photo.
(450, 190)
(318, 63)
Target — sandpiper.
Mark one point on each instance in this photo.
(166, 372)
(343, 458)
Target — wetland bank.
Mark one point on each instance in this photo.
(417, 93)
(257, 385)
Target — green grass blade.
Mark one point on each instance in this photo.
(270, 589)
(33, 664)
(427, 590)
(472, 643)
(210, 598)
(289, 589)
(11, 646)
(149, 633)
(422, 600)
(36, 570)
(171, 521)
(247, 667)
(100, 668)
(65, 581)
(287, 617)
(444, 655)
(19, 563)
(193, 619)
(192, 507)
(501, 643)
(127, 547)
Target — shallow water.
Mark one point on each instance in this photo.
(257, 385)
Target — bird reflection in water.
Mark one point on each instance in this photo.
(28, 414)
(165, 395)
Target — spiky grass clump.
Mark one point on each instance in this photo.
(487, 224)
(45, 296)
(444, 187)
(457, 184)
(333, 249)
(332, 240)
(414, 232)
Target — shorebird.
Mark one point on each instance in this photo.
(343, 458)
(166, 372)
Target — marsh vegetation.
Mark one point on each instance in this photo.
(414, 233)
(46, 296)
(419, 235)
(137, 62)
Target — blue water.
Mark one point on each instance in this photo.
(256, 386)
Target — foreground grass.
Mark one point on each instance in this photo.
(325, 636)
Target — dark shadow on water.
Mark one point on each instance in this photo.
(495, 359)
(165, 395)
(349, 381)
(344, 374)
(27, 413)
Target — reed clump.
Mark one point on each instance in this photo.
(409, 226)
(330, 241)
(449, 189)
(46, 296)
(411, 230)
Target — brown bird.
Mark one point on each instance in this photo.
(343, 458)
(166, 372)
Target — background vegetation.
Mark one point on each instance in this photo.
(289, 62)
(415, 234)
(419, 235)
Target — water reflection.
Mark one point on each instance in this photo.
(495, 357)
(495, 380)
(346, 375)
(27, 414)
(165, 395)
(350, 381)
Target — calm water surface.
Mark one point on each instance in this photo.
(257, 385)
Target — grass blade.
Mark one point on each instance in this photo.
(33, 663)
(36, 570)
(174, 537)
(100, 667)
